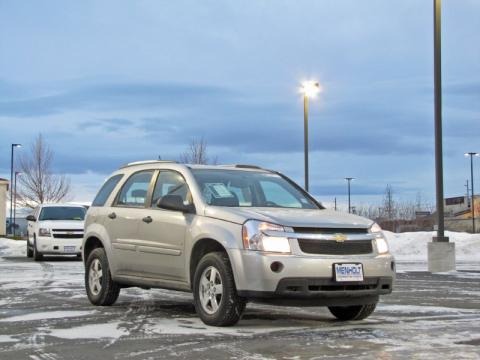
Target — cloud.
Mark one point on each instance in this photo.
(120, 96)
(114, 124)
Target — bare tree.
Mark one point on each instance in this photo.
(38, 184)
(197, 153)
(370, 211)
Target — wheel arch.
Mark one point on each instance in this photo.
(200, 249)
(91, 243)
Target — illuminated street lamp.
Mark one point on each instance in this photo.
(472, 154)
(17, 173)
(349, 179)
(309, 89)
(11, 181)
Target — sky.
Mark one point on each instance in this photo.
(109, 82)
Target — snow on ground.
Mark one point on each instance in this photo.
(412, 246)
(10, 247)
(94, 331)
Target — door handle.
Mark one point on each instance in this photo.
(147, 219)
(112, 215)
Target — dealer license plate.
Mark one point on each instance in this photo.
(69, 249)
(348, 272)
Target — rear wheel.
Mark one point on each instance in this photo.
(215, 295)
(356, 312)
(37, 256)
(101, 289)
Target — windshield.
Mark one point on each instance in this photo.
(249, 189)
(63, 213)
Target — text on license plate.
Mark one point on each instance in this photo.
(69, 249)
(348, 272)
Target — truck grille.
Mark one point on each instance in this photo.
(331, 247)
(67, 233)
(68, 236)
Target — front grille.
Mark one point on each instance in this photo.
(68, 236)
(307, 230)
(331, 247)
(68, 230)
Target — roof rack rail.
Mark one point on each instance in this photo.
(243, 166)
(144, 162)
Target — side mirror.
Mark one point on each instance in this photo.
(175, 203)
(31, 218)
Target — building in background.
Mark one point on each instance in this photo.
(3, 206)
(458, 213)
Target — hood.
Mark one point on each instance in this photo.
(62, 224)
(289, 217)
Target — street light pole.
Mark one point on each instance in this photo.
(310, 89)
(305, 138)
(348, 185)
(437, 7)
(472, 202)
(441, 252)
(11, 181)
(17, 173)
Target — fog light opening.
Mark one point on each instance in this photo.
(276, 266)
(392, 265)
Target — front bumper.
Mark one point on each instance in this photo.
(309, 277)
(323, 292)
(59, 246)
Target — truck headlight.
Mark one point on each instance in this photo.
(44, 232)
(255, 237)
(380, 241)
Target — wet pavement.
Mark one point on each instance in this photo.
(44, 314)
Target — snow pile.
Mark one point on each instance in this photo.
(10, 247)
(412, 246)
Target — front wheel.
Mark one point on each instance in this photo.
(215, 295)
(356, 312)
(101, 289)
(29, 250)
(37, 256)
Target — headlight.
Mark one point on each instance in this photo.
(44, 232)
(375, 228)
(380, 241)
(382, 245)
(255, 237)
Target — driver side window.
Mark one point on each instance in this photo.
(170, 182)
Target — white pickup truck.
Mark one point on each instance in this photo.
(55, 229)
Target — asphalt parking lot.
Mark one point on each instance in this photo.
(44, 314)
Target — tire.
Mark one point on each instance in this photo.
(101, 289)
(214, 306)
(29, 250)
(37, 256)
(356, 312)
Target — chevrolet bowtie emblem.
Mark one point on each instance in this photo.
(340, 237)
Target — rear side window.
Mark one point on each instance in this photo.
(134, 191)
(106, 190)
